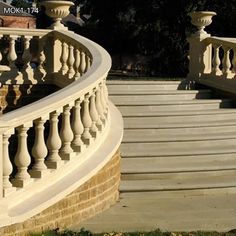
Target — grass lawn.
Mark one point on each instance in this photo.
(84, 232)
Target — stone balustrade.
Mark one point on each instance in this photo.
(212, 59)
(62, 131)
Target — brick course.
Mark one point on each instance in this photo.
(94, 196)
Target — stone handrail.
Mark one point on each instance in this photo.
(78, 117)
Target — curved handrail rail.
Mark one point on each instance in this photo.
(101, 65)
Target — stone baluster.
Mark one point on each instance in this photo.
(66, 134)
(216, 60)
(53, 142)
(94, 114)
(234, 61)
(103, 98)
(77, 64)
(11, 57)
(64, 57)
(88, 62)
(22, 158)
(26, 57)
(39, 150)
(7, 165)
(82, 67)
(106, 93)
(226, 62)
(77, 127)
(86, 120)
(41, 56)
(0, 51)
(70, 62)
(99, 105)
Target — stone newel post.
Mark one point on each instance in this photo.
(57, 10)
(200, 53)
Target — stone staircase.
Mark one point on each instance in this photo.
(174, 139)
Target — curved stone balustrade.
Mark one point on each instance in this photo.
(80, 122)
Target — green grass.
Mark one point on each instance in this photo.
(157, 232)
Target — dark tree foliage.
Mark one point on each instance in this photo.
(155, 29)
(20, 4)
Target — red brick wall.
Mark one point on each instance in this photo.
(18, 21)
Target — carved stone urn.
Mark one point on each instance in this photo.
(201, 19)
(57, 10)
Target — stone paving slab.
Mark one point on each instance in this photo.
(172, 211)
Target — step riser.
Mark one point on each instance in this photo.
(143, 110)
(121, 99)
(178, 134)
(177, 164)
(141, 87)
(178, 148)
(179, 176)
(177, 121)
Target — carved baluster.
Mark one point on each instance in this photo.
(53, 142)
(103, 99)
(64, 57)
(226, 62)
(216, 61)
(7, 165)
(99, 105)
(88, 63)
(11, 57)
(77, 127)
(106, 93)
(26, 57)
(41, 56)
(77, 64)
(39, 150)
(66, 134)
(234, 61)
(93, 114)
(0, 51)
(82, 67)
(22, 158)
(70, 62)
(86, 120)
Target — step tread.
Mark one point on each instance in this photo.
(178, 164)
(116, 92)
(149, 82)
(193, 112)
(195, 180)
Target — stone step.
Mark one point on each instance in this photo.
(179, 181)
(187, 113)
(184, 121)
(181, 148)
(144, 85)
(150, 107)
(176, 164)
(142, 97)
(179, 134)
